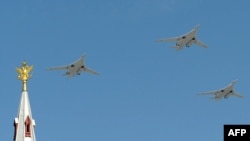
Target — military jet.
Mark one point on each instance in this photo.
(185, 40)
(224, 93)
(75, 68)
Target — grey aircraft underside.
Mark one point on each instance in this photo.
(224, 92)
(76, 68)
(185, 40)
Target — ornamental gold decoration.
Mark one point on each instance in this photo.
(24, 74)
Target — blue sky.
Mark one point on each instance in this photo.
(146, 90)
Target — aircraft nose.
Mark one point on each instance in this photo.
(197, 26)
(234, 81)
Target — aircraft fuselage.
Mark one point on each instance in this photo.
(226, 92)
(187, 39)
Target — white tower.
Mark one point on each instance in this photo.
(24, 123)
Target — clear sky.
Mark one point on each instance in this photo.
(146, 90)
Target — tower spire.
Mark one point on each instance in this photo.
(24, 123)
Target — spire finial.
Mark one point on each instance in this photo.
(23, 74)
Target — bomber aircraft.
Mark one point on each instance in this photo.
(185, 40)
(224, 92)
(75, 68)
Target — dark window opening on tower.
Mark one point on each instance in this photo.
(27, 127)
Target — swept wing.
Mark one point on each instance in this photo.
(209, 93)
(199, 43)
(91, 71)
(169, 39)
(59, 68)
(237, 95)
